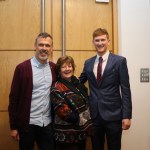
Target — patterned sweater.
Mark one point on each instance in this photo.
(72, 117)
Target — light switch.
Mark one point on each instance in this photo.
(144, 75)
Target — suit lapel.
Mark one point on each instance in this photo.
(108, 65)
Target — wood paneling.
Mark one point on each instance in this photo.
(56, 55)
(6, 142)
(8, 62)
(20, 22)
(92, 16)
(81, 19)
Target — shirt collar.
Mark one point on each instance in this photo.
(36, 63)
(105, 56)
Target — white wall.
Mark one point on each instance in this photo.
(134, 44)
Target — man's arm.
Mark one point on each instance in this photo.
(83, 76)
(126, 94)
(14, 98)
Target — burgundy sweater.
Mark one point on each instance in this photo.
(21, 94)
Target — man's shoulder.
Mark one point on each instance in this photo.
(51, 63)
(24, 63)
(90, 59)
(115, 56)
(52, 66)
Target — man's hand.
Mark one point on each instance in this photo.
(14, 134)
(126, 123)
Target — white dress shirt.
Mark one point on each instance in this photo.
(105, 58)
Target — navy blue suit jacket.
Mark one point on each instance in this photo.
(111, 98)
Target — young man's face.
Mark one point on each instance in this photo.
(101, 44)
(43, 49)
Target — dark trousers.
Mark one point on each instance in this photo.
(112, 130)
(43, 136)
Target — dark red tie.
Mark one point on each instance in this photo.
(99, 69)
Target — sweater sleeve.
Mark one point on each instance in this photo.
(14, 98)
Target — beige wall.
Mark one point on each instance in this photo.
(134, 44)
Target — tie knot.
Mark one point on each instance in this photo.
(100, 59)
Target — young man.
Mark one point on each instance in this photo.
(110, 95)
(29, 99)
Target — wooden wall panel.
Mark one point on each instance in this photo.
(20, 23)
(56, 55)
(82, 18)
(79, 58)
(8, 62)
(6, 142)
